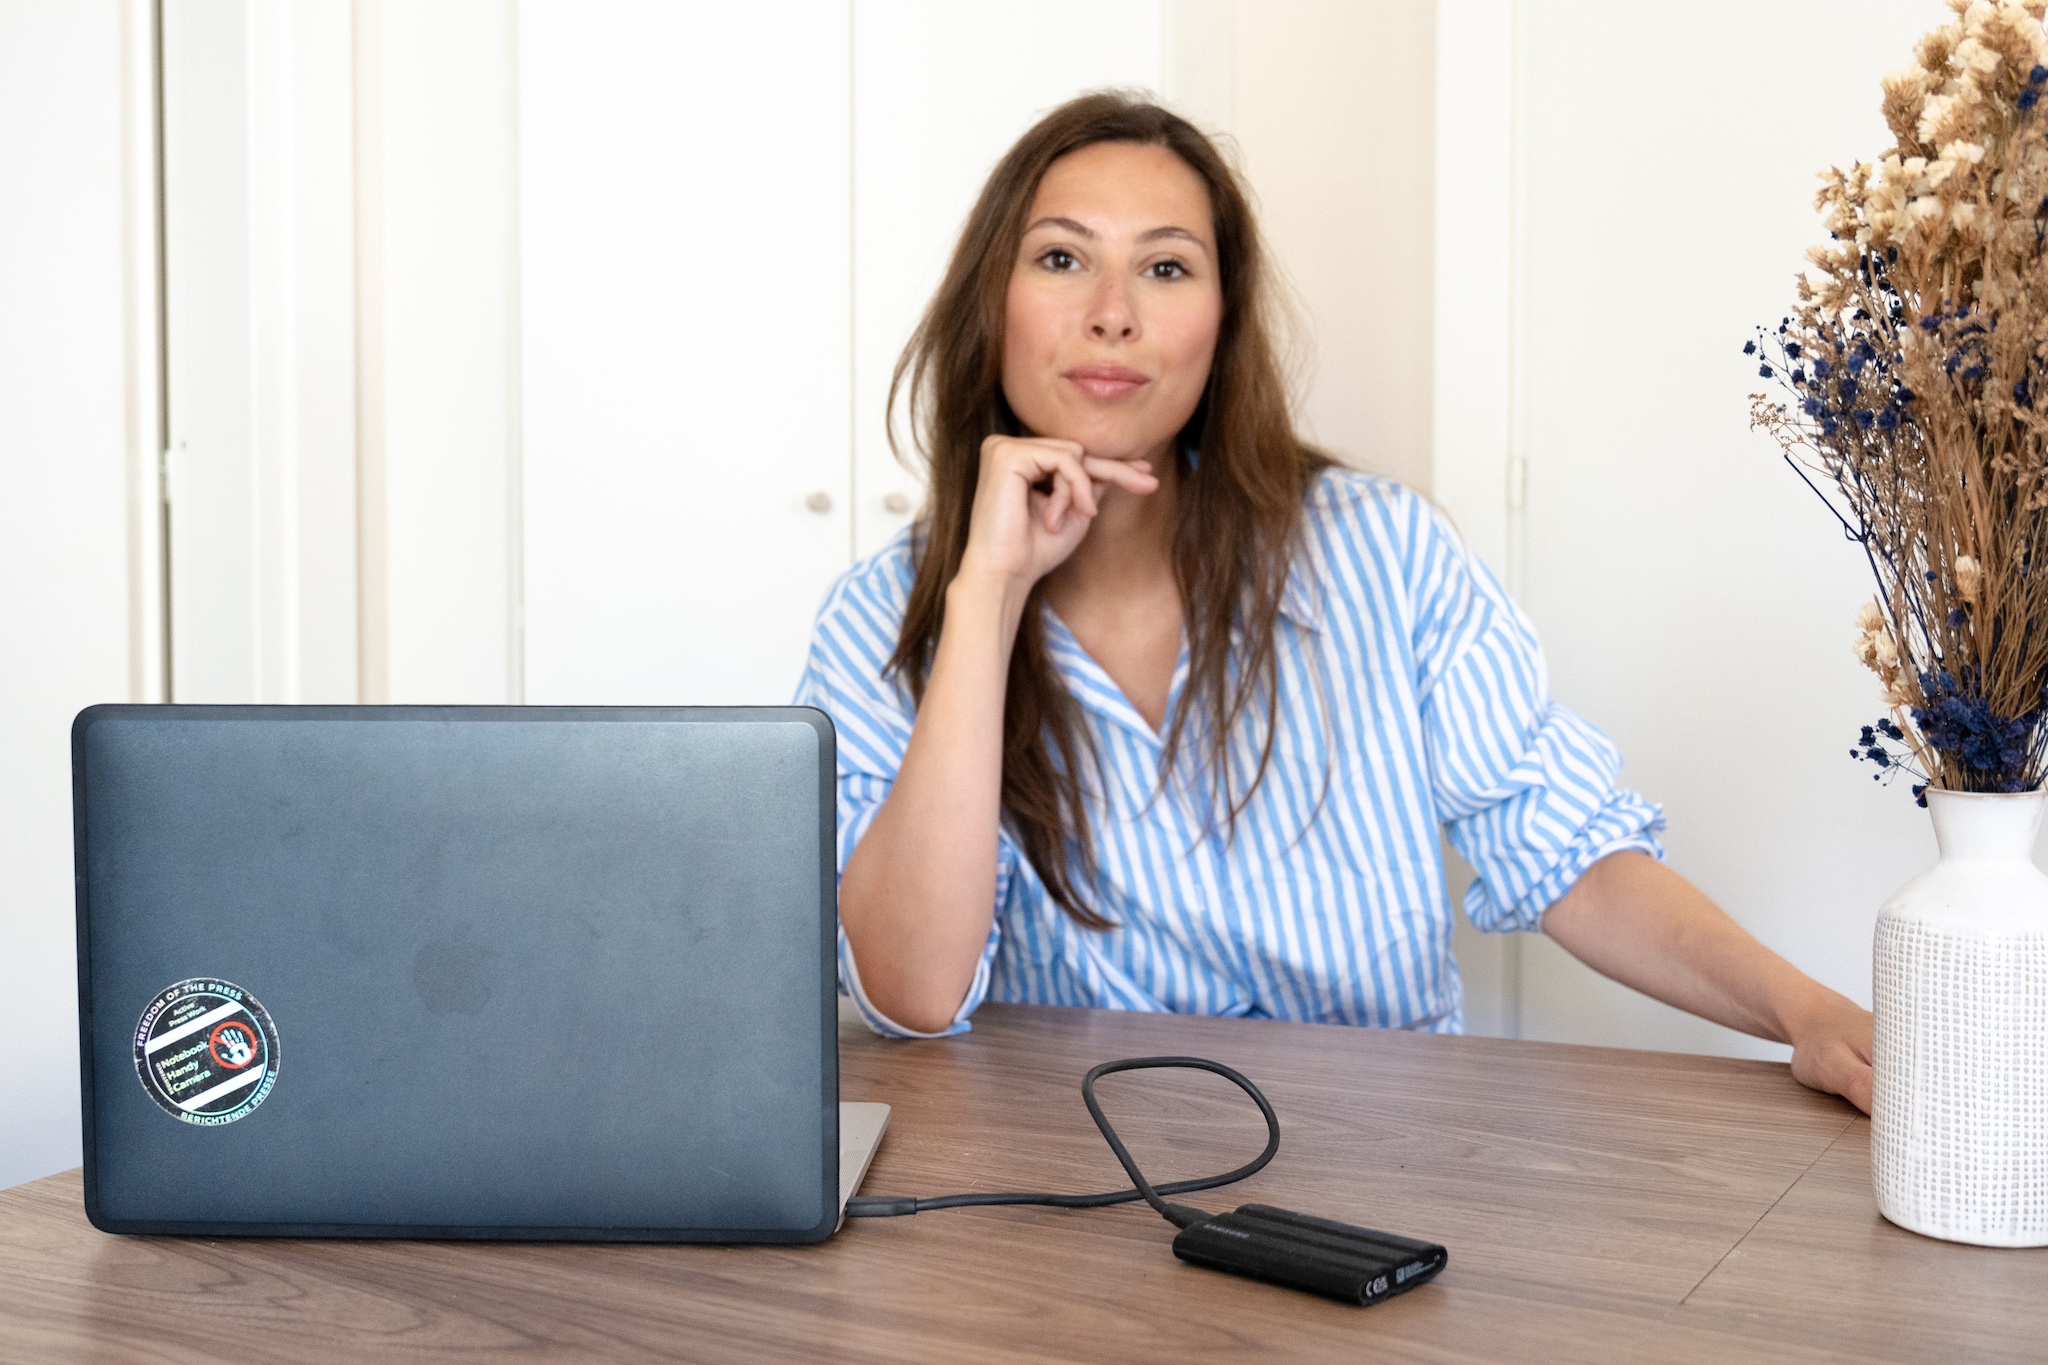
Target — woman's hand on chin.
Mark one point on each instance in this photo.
(1033, 502)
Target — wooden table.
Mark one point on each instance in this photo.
(1598, 1205)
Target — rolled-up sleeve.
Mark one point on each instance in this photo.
(844, 677)
(1527, 789)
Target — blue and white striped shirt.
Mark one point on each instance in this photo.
(1412, 696)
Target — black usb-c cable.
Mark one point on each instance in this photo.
(1358, 1265)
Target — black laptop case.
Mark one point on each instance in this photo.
(458, 972)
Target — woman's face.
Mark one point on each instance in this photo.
(1114, 302)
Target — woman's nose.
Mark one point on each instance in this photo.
(1111, 316)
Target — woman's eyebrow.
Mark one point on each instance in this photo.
(1067, 224)
(1081, 230)
(1156, 233)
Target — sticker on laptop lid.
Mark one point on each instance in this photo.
(206, 1051)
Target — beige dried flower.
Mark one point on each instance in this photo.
(1969, 578)
(1875, 648)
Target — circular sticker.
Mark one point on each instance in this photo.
(206, 1051)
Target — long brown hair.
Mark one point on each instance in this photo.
(1243, 476)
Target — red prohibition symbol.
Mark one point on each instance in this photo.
(233, 1044)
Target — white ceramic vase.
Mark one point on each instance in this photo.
(1959, 1117)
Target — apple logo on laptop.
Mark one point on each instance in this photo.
(453, 974)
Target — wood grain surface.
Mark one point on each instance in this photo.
(1598, 1205)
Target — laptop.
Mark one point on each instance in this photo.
(461, 972)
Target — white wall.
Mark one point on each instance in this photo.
(1639, 195)
(1333, 108)
(64, 572)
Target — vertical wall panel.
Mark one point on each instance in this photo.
(684, 190)
(63, 523)
(319, 426)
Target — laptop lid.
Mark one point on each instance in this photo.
(523, 972)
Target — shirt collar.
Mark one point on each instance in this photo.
(1301, 598)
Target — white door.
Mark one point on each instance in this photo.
(258, 252)
(685, 248)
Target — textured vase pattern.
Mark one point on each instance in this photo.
(1959, 1119)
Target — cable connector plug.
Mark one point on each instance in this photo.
(880, 1206)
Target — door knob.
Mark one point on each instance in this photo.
(819, 502)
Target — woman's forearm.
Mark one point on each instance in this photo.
(918, 894)
(1635, 920)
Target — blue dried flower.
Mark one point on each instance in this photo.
(1957, 616)
(2028, 99)
(1887, 420)
(1749, 348)
(1812, 407)
(1864, 417)
(2037, 75)
(1965, 728)
(1792, 349)
(1821, 368)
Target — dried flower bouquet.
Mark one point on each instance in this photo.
(1916, 368)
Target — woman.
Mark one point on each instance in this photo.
(1156, 708)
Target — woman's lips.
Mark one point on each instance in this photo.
(1107, 381)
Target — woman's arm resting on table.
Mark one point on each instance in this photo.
(917, 897)
(1635, 920)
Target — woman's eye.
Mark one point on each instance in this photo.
(1166, 270)
(1058, 259)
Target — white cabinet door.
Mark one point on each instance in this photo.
(215, 592)
(684, 191)
(258, 330)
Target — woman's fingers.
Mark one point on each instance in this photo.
(1133, 476)
(1071, 491)
(1043, 487)
(1056, 503)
